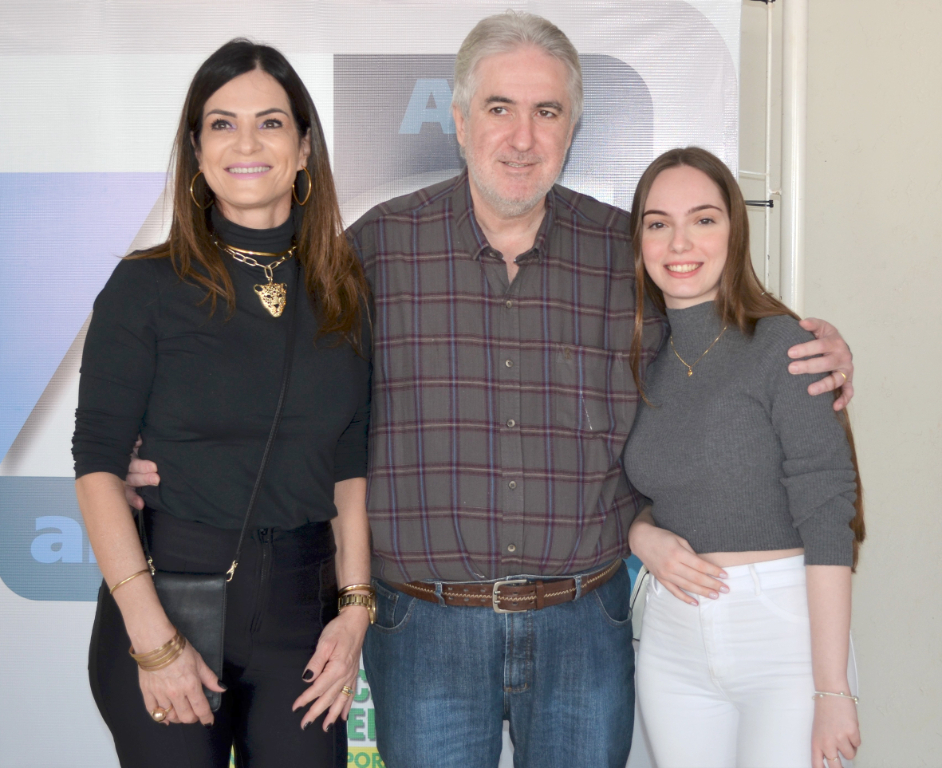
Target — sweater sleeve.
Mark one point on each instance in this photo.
(819, 475)
(118, 364)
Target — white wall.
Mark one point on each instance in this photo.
(873, 267)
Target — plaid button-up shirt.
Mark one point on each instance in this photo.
(500, 410)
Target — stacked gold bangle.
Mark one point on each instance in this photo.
(348, 596)
(160, 657)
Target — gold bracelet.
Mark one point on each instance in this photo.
(346, 590)
(132, 576)
(841, 695)
(162, 656)
(367, 601)
(171, 648)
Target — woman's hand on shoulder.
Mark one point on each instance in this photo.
(179, 688)
(673, 562)
(835, 731)
(335, 664)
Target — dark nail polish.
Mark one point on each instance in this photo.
(307, 676)
(304, 727)
(224, 687)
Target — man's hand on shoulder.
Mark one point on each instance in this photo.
(827, 353)
(140, 473)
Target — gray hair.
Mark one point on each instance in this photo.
(504, 33)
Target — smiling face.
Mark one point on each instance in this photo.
(517, 130)
(685, 236)
(250, 150)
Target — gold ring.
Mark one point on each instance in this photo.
(845, 381)
(160, 714)
(347, 690)
(829, 759)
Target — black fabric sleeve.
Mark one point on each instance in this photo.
(351, 452)
(118, 364)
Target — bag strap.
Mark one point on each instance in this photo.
(285, 377)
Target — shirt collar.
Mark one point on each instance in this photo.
(470, 231)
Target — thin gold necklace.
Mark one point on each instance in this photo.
(690, 366)
(272, 295)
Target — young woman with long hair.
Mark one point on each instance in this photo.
(756, 500)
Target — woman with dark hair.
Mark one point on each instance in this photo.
(756, 501)
(187, 346)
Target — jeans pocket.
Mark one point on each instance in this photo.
(614, 599)
(393, 608)
(789, 603)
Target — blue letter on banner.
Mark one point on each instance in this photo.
(419, 112)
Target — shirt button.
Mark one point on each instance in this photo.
(511, 547)
(509, 303)
(511, 423)
(512, 484)
(509, 363)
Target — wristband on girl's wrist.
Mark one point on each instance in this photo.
(840, 695)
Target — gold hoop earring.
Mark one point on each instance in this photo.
(193, 194)
(310, 187)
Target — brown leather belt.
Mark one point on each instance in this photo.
(510, 595)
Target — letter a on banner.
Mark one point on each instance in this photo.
(430, 103)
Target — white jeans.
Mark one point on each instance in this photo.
(728, 683)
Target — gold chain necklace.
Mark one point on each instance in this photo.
(273, 295)
(689, 366)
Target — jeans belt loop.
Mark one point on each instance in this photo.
(578, 580)
(755, 578)
(438, 593)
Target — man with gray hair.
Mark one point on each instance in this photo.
(502, 401)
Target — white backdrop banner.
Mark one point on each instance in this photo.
(91, 94)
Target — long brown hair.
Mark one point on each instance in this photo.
(332, 273)
(741, 300)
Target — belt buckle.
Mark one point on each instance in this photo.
(495, 597)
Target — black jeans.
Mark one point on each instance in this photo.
(283, 593)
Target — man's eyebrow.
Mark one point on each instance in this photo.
(507, 100)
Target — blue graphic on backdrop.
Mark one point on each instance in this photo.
(44, 550)
(62, 234)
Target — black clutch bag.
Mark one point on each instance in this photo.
(195, 603)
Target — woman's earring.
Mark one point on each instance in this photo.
(310, 187)
(193, 194)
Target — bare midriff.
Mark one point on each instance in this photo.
(725, 559)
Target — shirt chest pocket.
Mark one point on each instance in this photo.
(592, 390)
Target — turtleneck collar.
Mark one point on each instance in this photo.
(274, 240)
(694, 328)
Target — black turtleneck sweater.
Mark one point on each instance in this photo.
(201, 389)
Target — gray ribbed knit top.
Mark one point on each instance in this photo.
(738, 456)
